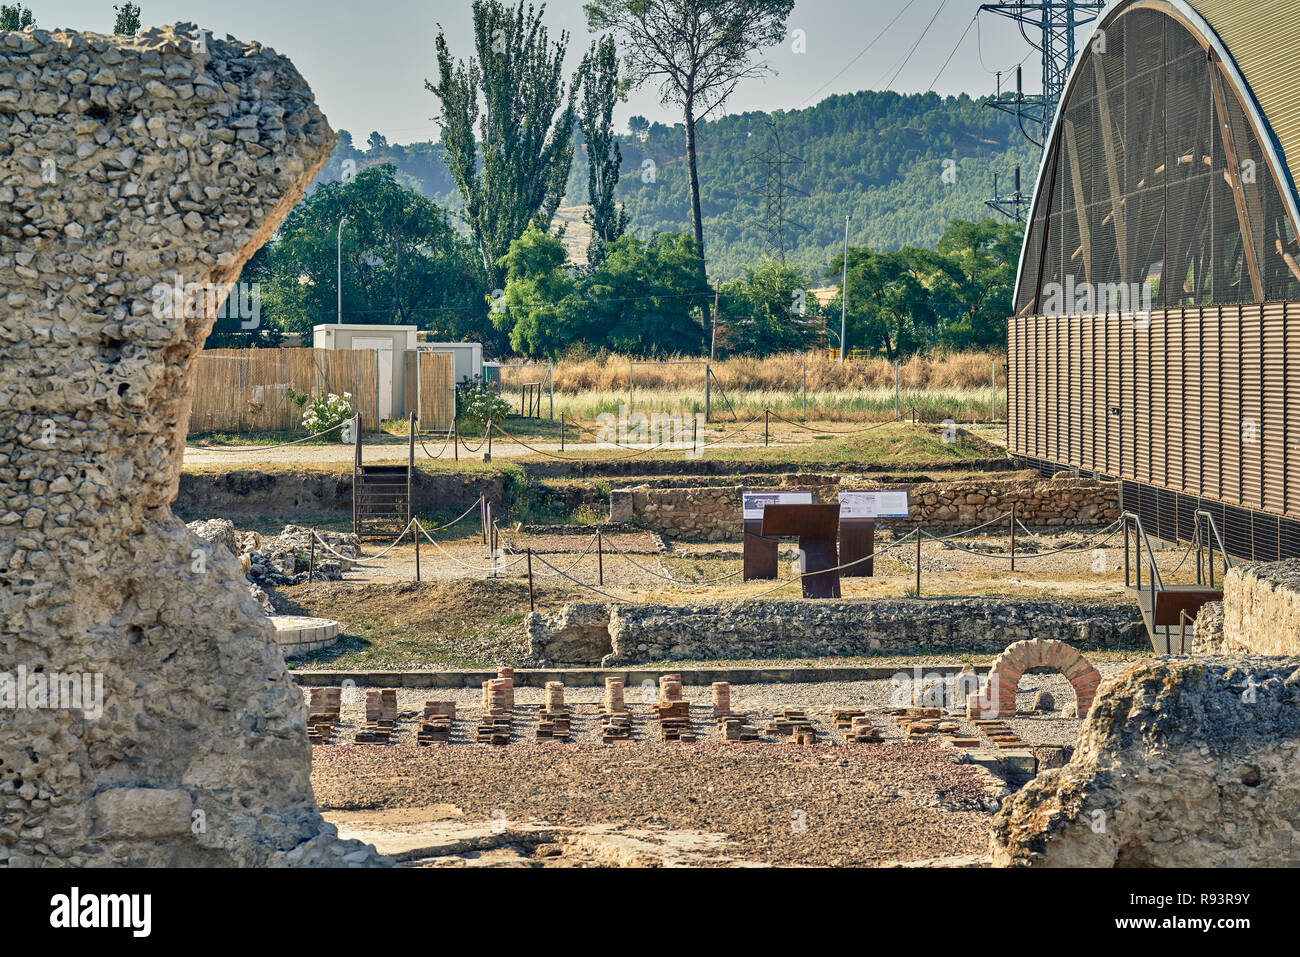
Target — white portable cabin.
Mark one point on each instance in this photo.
(390, 342)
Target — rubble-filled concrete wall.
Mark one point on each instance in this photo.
(1259, 615)
(714, 514)
(130, 165)
(586, 634)
(1181, 763)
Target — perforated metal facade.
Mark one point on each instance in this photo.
(1159, 287)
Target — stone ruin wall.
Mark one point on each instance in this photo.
(614, 636)
(128, 162)
(713, 513)
(1180, 763)
(1259, 614)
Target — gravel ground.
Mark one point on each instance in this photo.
(341, 455)
(778, 804)
(1087, 573)
(768, 802)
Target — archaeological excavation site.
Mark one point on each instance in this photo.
(374, 512)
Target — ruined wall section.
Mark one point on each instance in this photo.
(1183, 762)
(127, 163)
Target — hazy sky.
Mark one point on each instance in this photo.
(367, 60)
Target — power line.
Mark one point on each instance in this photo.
(861, 53)
(924, 33)
(965, 34)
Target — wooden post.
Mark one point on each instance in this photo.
(482, 516)
(417, 530)
(488, 457)
(600, 557)
(765, 415)
(1013, 536)
(532, 606)
(311, 559)
(918, 561)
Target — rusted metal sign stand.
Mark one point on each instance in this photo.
(857, 545)
(760, 552)
(816, 527)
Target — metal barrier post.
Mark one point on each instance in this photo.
(532, 606)
(1013, 536)
(561, 431)
(311, 559)
(600, 557)
(417, 528)
(918, 561)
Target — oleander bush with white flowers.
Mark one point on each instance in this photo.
(327, 411)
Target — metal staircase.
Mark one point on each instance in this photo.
(381, 494)
(1166, 608)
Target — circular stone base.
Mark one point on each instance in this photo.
(298, 635)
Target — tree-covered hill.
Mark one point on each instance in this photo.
(878, 157)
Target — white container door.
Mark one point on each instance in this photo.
(385, 349)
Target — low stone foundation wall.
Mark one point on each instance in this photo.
(1259, 615)
(712, 513)
(614, 636)
(1181, 763)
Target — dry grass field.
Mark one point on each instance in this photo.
(959, 386)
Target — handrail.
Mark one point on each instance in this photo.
(1183, 619)
(1214, 528)
(1157, 582)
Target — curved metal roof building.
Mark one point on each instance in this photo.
(1158, 294)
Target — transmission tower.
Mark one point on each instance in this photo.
(1012, 206)
(777, 192)
(1056, 23)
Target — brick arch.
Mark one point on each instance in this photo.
(999, 695)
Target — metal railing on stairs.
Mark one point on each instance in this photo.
(1208, 547)
(1158, 608)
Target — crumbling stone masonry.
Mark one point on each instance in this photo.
(1259, 614)
(614, 636)
(1181, 763)
(713, 513)
(129, 164)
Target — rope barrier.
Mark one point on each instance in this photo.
(823, 571)
(1079, 546)
(445, 442)
(468, 447)
(347, 558)
(493, 569)
(581, 584)
(896, 419)
(570, 458)
(668, 576)
(462, 517)
(266, 448)
(574, 564)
